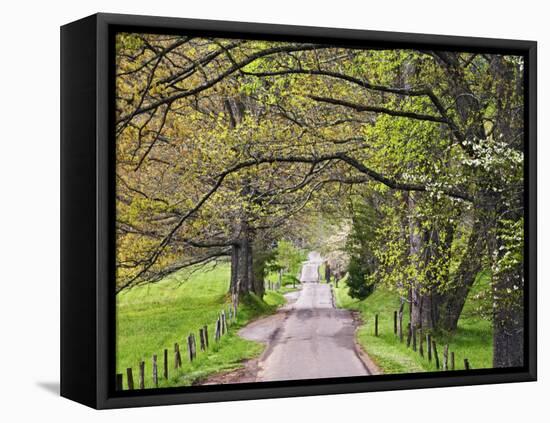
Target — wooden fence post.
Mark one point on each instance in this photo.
(446, 357)
(142, 375)
(118, 382)
(177, 356)
(414, 339)
(201, 339)
(217, 333)
(429, 346)
(409, 334)
(190, 347)
(155, 372)
(466, 364)
(130, 378)
(401, 324)
(165, 363)
(395, 322)
(452, 360)
(206, 335)
(376, 325)
(436, 356)
(420, 343)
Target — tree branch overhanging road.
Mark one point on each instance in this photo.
(225, 146)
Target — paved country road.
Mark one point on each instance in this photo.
(307, 339)
(310, 269)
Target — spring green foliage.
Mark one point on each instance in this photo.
(360, 247)
(472, 340)
(359, 282)
(263, 262)
(154, 317)
(222, 138)
(285, 263)
(289, 258)
(290, 280)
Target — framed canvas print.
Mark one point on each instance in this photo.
(255, 211)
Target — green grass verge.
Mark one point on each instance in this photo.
(321, 270)
(287, 285)
(154, 317)
(472, 340)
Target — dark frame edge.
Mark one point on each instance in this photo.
(78, 310)
(531, 247)
(254, 28)
(104, 85)
(323, 388)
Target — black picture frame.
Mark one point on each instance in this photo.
(87, 212)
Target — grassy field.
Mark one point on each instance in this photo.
(154, 317)
(472, 340)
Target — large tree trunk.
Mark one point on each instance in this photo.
(508, 295)
(247, 264)
(235, 285)
(416, 294)
(451, 302)
(419, 297)
(508, 286)
(508, 322)
(437, 252)
(242, 277)
(240, 283)
(257, 267)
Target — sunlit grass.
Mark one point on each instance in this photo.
(154, 317)
(472, 340)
